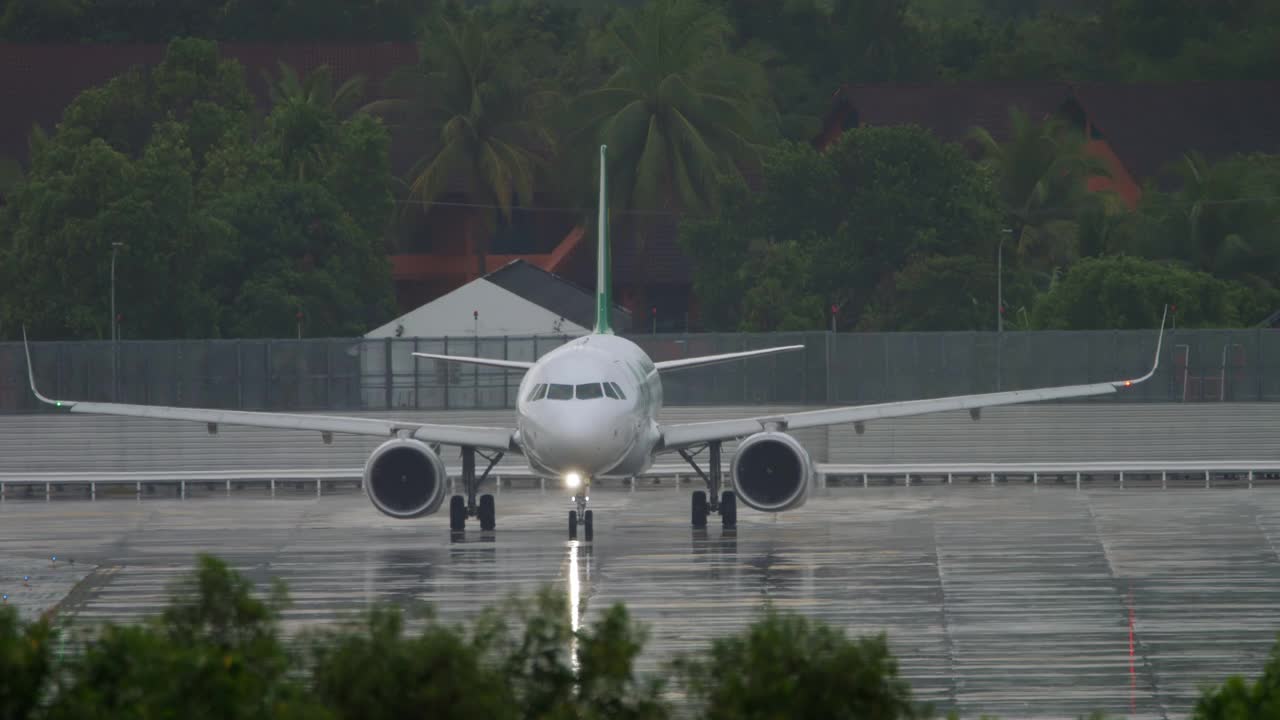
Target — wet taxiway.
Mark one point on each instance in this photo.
(1010, 600)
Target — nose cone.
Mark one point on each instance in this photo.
(588, 437)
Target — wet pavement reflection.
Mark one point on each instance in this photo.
(1009, 600)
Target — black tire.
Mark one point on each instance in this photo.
(573, 524)
(699, 515)
(587, 523)
(729, 510)
(457, 514)
(488, 513)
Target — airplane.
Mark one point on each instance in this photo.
(588, 411)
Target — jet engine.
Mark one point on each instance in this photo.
(772, 472)
(405, 479)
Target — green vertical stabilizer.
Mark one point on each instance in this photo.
(604, 278)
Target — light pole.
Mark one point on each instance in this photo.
(1000, 281)
(115, 247)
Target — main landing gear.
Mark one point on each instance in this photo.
(581, 516)
(725, 503)
(459, 508)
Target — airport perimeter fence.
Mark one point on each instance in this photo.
(834, 368)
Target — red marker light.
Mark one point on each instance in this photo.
(1128, 383)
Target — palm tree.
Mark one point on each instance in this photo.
(479, 113)
(315, 89)
(1217, 232)
(305, 115)
(1043, 171)
(679, 109)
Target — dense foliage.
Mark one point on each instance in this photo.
(232, 224)
(217, 651)
(837, 228)
(237, 221)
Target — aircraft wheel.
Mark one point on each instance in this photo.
(457, 513)
(729, 510)
(699, 509)
(488, 513)
(587, 529)
(573, 524)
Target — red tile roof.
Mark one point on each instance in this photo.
(1152, 124)
(1148, 125)
(950, 110)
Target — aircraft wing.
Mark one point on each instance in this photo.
(726, 357)
(481, 437)
(682, 435)
(490, 362)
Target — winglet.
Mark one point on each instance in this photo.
(1155, 363)
(31, 373)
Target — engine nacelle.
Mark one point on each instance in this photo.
(405, 479)
(772, 472)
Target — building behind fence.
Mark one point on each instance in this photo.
(843, 368)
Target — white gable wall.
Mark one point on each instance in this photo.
(501, 313)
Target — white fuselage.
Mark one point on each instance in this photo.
(570, 421)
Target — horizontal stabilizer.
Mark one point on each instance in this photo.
(713, 359)
(492, 362)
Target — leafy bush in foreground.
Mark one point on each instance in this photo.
(216, 651)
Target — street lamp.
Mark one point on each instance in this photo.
(115, 247)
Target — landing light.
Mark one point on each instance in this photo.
(573, 480)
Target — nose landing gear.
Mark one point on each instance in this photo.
(725, 503)
(580, 515)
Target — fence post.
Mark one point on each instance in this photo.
(266, 377)
(386, 364)
(240, 374)
(506, 377)
(447, 373)
(830, 337)
(1257, 366)
(417, 375)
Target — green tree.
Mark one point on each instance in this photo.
(1128, 293)
(908, 195)
(147, 21)
(373, 670)
(25, 664)
(1042, 172)
(1238, 699)
(790, 666)
(482, 117)
(215, 652)
(227, 231)
(850, 219)
(1224, 220)
(936, 293)
(680, 109)
(11, 174)
(315, 88)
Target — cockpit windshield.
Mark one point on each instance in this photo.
(585, 391)
(559, 392)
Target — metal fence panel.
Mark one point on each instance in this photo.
(846, 368)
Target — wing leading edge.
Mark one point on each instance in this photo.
(481, 437)
(683, 435)
(726, 357)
